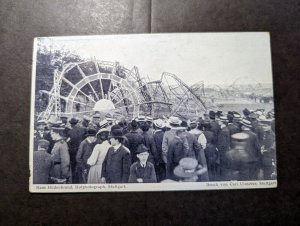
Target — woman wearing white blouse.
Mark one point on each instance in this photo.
(97, 157)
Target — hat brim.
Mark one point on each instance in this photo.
(57, 129)
(160, 127)
(249, 126)
(120, 137)
(102, 131)
(179, 172)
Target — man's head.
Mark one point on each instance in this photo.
(142, 153)
(41, 124)
(103, 134)
(57, 131)
(116, 137)
(43, 145)
(96, 118)
(91, 135)
(134, 125)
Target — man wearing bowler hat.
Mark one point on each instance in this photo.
(75, 136)
(116, 165)
(84, 152)
(134, 139)
(142, 171)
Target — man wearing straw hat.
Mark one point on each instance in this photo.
(174, 123)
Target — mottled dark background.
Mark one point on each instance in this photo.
(22, 20)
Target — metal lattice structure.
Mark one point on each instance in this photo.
(79, 87)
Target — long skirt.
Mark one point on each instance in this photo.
(94, 176)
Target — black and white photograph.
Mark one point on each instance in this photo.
(152, 112)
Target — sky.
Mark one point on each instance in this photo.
(214, 58)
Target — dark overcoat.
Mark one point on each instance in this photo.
(150, 143)
(147, 173)
(134, 140)
(42, 164)
(158, 139)
(176, 151)
(116, 165)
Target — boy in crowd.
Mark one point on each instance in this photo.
(142, 171)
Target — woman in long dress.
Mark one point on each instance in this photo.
(97, 157)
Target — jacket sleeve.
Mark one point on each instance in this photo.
(164, 146)
(196, 146)
(132, 176)
(79, 155)
(126, 167)
(104, 164)
(65, 161)
(170, 154)
(153, 150)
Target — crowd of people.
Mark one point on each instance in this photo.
(217, 146)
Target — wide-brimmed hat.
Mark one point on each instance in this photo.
(58, 126)
(91, 132)
(159, 123)
(246, 123)
(149, 119)
(174, 122)
(237, 116)
(104, 123)
(141, 148)
(240, 136)
(223, 118)
(187, 168)
(103, 130)
(73, 121)
(140, 118)
(116, 133)
(41, 123)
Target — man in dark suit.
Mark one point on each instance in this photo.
(116, 165)
(158, 136)
(84, 152)
(134, 140)
(215, 127)
(75, 136)
(223, 145)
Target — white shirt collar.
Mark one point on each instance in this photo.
(117, 146)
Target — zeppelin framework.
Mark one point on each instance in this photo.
(101, 86)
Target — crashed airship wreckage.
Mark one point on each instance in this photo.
(100, 86)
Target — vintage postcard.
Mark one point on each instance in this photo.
(152, 112)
